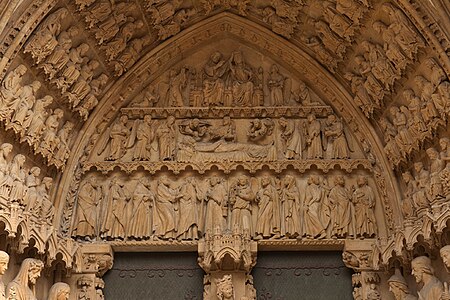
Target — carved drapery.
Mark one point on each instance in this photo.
(396, 73)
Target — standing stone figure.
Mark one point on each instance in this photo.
(290, 203)
(139, 219)
(4, 260)
(341, 209)
(141, 138)
(337, 141)
(313, 138)
(188, 212)
(89, 198)
(276, 84)
(116, 218)
(241, 198)
(364, 202)
(59, 291)
(292, 142)
(166, 134)
(316, 211)
(119, 134)
(268, 222)
(22, 287)
(423, 272)
(216, 199)
(163, 213)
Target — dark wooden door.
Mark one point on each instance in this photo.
(154, 276)
(302, 276)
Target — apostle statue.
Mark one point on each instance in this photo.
(364, 202)
(241, 198)
(423, 272)
(216, 199)
(268, 221)
(163, 212)
(22, 287)
(290, 203)
(342, 209)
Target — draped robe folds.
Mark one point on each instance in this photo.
(21, 291)
(242, 86)
(364, 201)
(86, 220)
(139, 219)
(214, 86)
(315, 211)
(290, 221)
(144, 136)
(315, 141)
(431, 290)
(10, 87)
(341, 212)
(166, 140)
(215, 197)
(241, 214)
(118, 135)
(268, 223)
(339, 148)
(163, 213)
(114, 226)
(18, 187)
(188, 210)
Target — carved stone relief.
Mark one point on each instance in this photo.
(226, 111)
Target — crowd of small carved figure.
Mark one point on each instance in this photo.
(24, 187)
(428, 187)
(263, 207)
(409, 125)
(190, 140)
(42, 128)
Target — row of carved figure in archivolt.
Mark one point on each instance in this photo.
(30, 117)
(213, 140)
(418, 114)
(162, 207)
(24, 186)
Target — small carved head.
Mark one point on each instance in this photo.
(6, 148)
(59, 291)
(21, 69)
(421, 265)
(216, 57)
(4, 260)
(35, 171)
(445, 254)
(362, 181)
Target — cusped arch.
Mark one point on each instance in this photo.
(291, 56)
